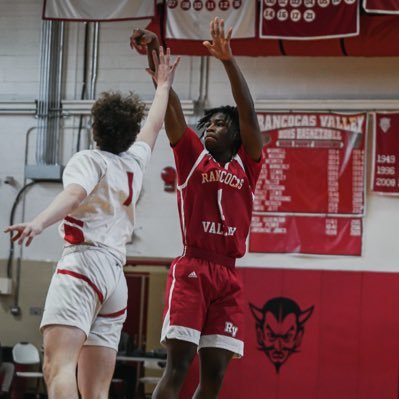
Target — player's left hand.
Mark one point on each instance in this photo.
(164, 67)
(220, 46)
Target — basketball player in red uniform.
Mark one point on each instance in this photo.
(204, 307)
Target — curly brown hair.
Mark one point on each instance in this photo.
(116, 121)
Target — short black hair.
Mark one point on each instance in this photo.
(231, 115)
(117, 121)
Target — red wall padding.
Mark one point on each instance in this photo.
(350, 345)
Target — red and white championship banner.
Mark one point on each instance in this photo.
(314, 163)
(98, 10)
(189, 19)
(381, 6)
(386, 153)
(308, 19)
(310, 193)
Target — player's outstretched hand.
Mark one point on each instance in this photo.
(164, 67)
(220, 46)
(24, 232)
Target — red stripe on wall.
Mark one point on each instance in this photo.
(85, 279)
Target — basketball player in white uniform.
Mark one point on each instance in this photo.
(86, 302)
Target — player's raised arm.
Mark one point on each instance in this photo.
(249, 127)
(175, 123)
(163, 74)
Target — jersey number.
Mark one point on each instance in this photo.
(129, 199)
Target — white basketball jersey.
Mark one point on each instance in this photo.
(113, 184)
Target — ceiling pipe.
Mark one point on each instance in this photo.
(49, 101)
(94, 60)
(201, 102)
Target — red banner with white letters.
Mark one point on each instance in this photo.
(314, 163)
(308, 19)
(386, 153)
(310, 193)
(381, 6)
(189, 19)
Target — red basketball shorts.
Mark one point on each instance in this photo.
(204, 305)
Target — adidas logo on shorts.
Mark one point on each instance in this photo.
(192, 275)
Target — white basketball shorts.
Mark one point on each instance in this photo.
(88, 290)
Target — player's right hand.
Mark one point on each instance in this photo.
(24, 231)
(141, 38)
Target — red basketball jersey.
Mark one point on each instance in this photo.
(215, 200)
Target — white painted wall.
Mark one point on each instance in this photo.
(157, 231)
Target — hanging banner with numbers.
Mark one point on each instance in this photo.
(381, 6)
(386, 153)
(308, 19)
(189, 19)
